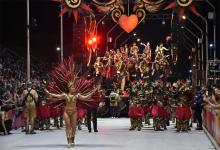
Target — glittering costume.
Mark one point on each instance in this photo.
(136, 114)
(98, 65)
(122, 72)
(73, 92)
(109, 67)
(136, 111)
(114, 100)
(183, 111)
(158, 111)
(30, 97)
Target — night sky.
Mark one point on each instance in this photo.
(46, 35)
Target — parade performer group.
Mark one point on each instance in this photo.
(147, 79)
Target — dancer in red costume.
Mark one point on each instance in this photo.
(183, 111)
(109, 67)
(73, 92)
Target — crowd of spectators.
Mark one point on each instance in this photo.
(13, 81)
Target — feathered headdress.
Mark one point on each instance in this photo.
(65, 76)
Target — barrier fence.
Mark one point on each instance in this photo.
(211, 121)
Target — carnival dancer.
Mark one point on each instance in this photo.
(160, 51)
(147, 101)
(44, 115)
(183, 111)
(124, 51)
(157, 110)
(122, 72)
(98, 65)
(157, 72)
(29, 97)
(92, 113)
(43, 109)
(114, 98)
(136, 111)
(81, 114)
(134, 51)
(73, 92)
(147, 50)
(109, 68)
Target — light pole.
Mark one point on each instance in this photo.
(61, 36)
(202, 35)
(207, 50)
(199, 42)
(214, 27)
(28, 40)
(193, 58)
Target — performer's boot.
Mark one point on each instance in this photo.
(139, 123)
(154, 123)
(165, 124)
(73, 141)
(157, 124)
(27, 130)
(178, 125)
(132, 124)
(79, 124)
(147, 119)
(48, 123)
(40, 125)
(32, 132)
(36, 124)
(55, 124)
(69, 140)
(85, 122)
(73, 138)
(185, 125)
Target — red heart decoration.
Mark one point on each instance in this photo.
(128, 23)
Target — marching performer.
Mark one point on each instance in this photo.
(29, 97)
(147, 50)
(136, 111)
(134, 51)
(73, 91)
(122, 72)
(183, 111)
(98, 65)
(109, 67)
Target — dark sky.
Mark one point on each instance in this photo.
(45, 36)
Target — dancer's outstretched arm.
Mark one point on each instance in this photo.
(60, 96)
(86, 97)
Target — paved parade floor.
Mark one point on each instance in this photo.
(113, 135)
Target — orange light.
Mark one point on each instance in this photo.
(94, 39)
(90, 42)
